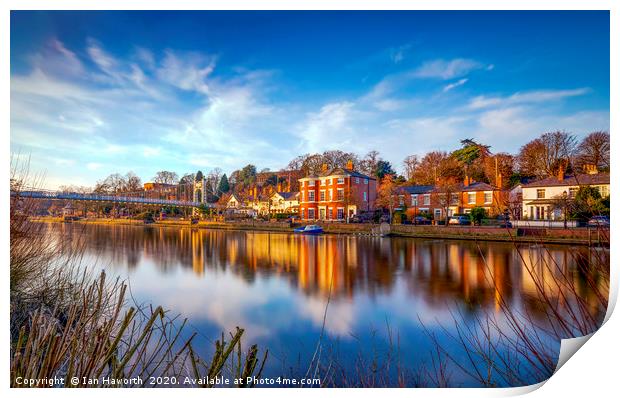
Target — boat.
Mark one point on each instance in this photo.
(309, 229)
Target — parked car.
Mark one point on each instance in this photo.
(459, 219)
(599, 221)
(504, 221)
(420, 220)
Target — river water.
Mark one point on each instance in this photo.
(377, 300)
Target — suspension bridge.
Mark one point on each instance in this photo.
(140, 199)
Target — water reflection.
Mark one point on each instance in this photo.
(276, 285)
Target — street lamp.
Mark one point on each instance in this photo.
(564, 206)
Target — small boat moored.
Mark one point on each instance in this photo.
(309, 229)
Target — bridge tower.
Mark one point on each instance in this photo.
(200, 185)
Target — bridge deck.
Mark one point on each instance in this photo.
(106, 198)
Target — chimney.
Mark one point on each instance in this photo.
(279, 187)
(590, 168)
(350, 165)
(324, 167)
(561, 173)
(466, 181)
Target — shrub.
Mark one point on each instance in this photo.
(477, 215)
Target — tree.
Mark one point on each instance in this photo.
(594, 150)
(166, 177)
(386, 194)
(446, 195)
(499, 164)
(588, 202)
(247, 175)
(436, 165)
(223, 187)
(213, 181)
(189, 178)
(133, 183)
(368, 165)
(477, 214)
(544, 156)
(410, 163)
(382, 169)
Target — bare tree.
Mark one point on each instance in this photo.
(594, 150)
(213, 181)
(368, 165)
(132, 182)
(446, 195)
(411, 162)
(166, 177)
(543, 156)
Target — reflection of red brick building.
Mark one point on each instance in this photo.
(336, 194)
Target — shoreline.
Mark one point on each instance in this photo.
(583, 237)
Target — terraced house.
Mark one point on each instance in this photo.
(336, 194)
(448, 199)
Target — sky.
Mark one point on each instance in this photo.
(99, 92)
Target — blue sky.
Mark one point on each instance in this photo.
(94, 93)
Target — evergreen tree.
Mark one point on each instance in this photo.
(223, 187)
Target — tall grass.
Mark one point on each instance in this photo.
(67, 323)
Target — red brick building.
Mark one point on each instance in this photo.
(336, 194)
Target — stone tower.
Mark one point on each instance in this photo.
(200, 185)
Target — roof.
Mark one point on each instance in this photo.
(340, 171)
(571, 180)
(476, 186)
(287, 195)
(416, 189)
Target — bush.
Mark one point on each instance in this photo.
(477, 215)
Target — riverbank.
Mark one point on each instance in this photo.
(572, 236)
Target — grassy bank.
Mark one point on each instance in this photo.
(572, 236)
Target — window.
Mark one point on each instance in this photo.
(340, 214)
(311, 197)
(401, 200)
(322, 182)
(322, 214)
(540, 194)
(488, 197)
(357, 180)
(471, 198)
(310, 214)
(427, 199)
(437, 214)
(454, 200)
(572, 192)
(604, 190)
(322, 196)
(365, 197)
(341, 181)
(414, 200)
(311, 183)
(366, 181)
(340, 193)
(331, 192)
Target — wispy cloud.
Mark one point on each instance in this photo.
(525, 97)
(456, 84)
(446, 70)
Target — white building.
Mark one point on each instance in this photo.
(541, 198)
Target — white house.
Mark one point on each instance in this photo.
(541, 198)
(284, 202)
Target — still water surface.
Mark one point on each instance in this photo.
(276, 286)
